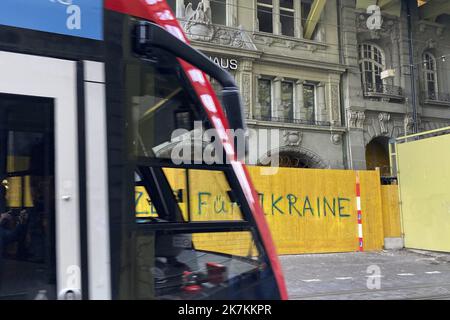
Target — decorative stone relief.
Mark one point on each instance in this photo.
(246, 90)
(425, 26)
(431, 44)
(384, 118)
(292, 138)
(356, 119)
(198, 26)
(336, 138)
(292, 43)
(352, 117)
(246, 65)
(408, 123)
(360, 120)
(334, 92)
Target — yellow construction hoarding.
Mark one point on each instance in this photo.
(308, 210)
(424, 179)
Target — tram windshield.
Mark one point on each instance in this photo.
(192, 236)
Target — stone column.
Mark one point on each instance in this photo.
(334, 103)
(357, 150)
(256, 107)
(277, 107)
(299, 106)
(298, 27)
(321, 108)
(246, 85)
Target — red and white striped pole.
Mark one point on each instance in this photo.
(358, 208)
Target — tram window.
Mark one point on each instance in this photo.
(27, 227)
(187, 266)
(164, 110)
(201, 195)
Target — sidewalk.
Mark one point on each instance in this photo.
(402, 274)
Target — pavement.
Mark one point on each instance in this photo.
(385, 275)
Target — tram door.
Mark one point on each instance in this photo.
(39, 195)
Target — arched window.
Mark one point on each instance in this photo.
(430, 76)
(371, 63)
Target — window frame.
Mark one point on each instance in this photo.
(265, 5)
(270, 80)
(427, 58)
(293, 17)
(294, 98)
(277, 12)
(315, 106)
(372, 61)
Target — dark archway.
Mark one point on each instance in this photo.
(294, 157)
(377, 155)
(289, 159)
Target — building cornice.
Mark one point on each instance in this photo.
(278, 125)
(312, 64)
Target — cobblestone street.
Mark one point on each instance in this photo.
(349, 276)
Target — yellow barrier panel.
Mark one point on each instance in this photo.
(308, 210)
(314, 211)
(391, 211)
(424, 175)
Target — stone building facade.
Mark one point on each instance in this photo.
(310, 70)
(379, 109)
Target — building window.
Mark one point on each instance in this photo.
(282, 17)
(287, 100)
(306, 8)
(430, 76)
(265, 98)
(265, 17)
(219, 12)
(287, 17)
(371, 62)
(309, 100)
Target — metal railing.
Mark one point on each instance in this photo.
(381, 89)
(437, 96)
(295, 121)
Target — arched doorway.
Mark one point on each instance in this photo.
(377, 155)
(290, 159)
(293, 158)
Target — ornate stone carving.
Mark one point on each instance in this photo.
(356, 119)
(336, 138)
(384, 118)
(361, 118)
(352, 117)
(198, 26)
(431, 44)
(246, 65)
(292, 138)
(197, 22)
(334, 92)
(246, 90)
(283, 42)
(200, 15)
(408, 123)
(431, 27)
